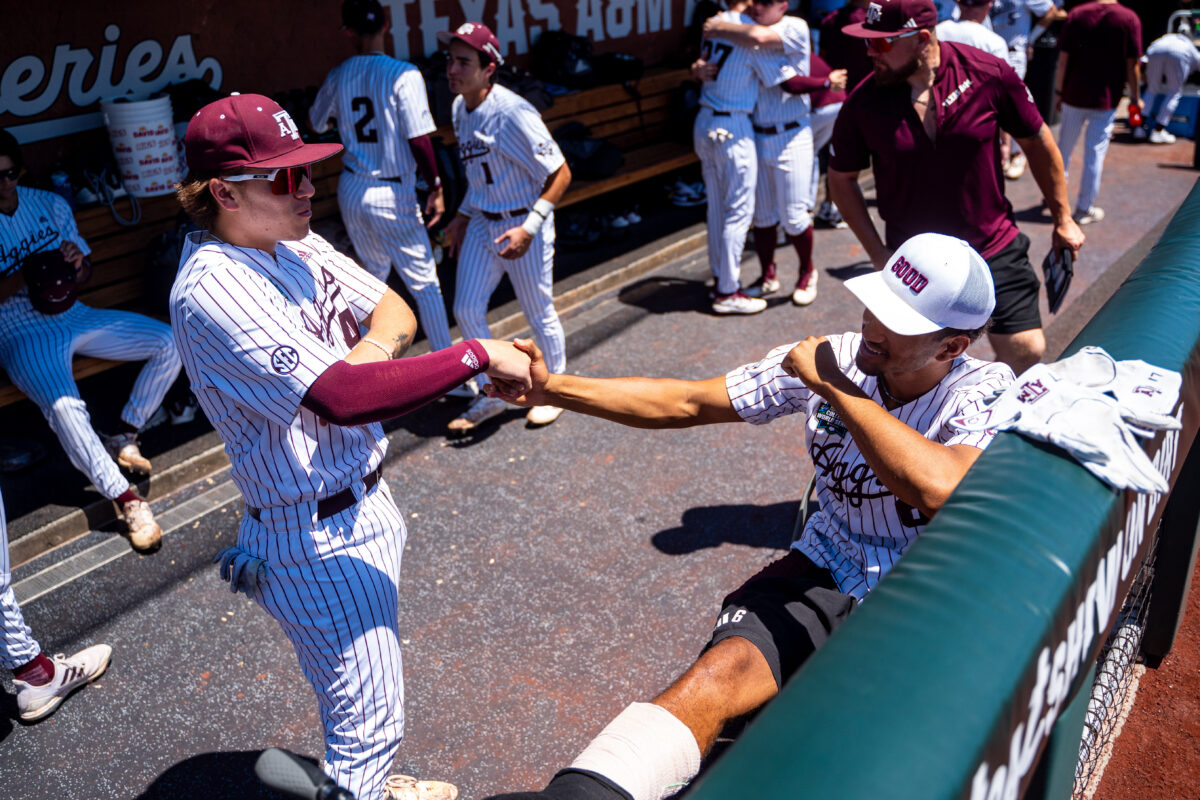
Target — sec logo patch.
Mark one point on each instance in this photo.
(285, 359)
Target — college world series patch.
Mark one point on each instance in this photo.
(829, 422)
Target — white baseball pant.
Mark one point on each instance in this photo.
(1097, 127)
(728, 161)
(18, 646)
(480, 269)
(384, 221)
(36, 349)
(784, 192)
(332, 586)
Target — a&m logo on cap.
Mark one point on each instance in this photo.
(874, 13)
(287, 126)
(466, 29)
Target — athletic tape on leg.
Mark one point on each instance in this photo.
(645, 750)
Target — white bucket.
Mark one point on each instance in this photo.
(142, 133)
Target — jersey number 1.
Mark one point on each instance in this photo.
(367, 109)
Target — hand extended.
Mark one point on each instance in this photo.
(72, 253)
(704, 71)
(837, 80)
(518, 242)
(538, 375)
(434, 207)
(508, 368)
(814, 362)
(455, 232)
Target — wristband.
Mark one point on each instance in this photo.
(543, 207)
(386, 352)
(533, 222)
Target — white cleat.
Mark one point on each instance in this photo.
(1162, 137)
(406, 787)
(543, 415)
(124, 447)
(39, 702)
(482, 409)
(738, 303)
(763, 287)
(144, 532)
(1093, 214)
(804, 295)
(1015, 167)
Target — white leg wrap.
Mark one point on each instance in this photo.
(645, 750)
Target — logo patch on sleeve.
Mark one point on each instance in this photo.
(829, 422)
(470, 360)
(285, 359)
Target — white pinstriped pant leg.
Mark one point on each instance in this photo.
(39, 364)
(479, 273)
(766, 210)
(124, 336)
(332, 587)
(18, 646)
(532, 277)
(730, 176)
(385, 225)
(785, 164)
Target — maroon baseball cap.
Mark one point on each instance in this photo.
(248, 130)
(892, 17)
(476, 35)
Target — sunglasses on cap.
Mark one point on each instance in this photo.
(11, 174)
(884, 44)
(285, 180)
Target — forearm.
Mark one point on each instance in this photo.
(1060, 75)
(556, 185)
(643, 402)
(392, 324)
(848, 197)
(1133, 77)
(804, 84)
(422, 150)
(1045, 162)
(918, 471)
(356, 394)
(746, 35)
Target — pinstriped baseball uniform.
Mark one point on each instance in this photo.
(1013, 20)
(17, 645)
(724, 141)
(507, 154)
(36, 348)
(861, 529)
(785, 157)
(380, 103)
(255, 331)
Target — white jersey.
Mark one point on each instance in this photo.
(774, 105)
(506, 151)
(972, 34)
(1013, 20)
(1170, 59)
(379, 103)
(42, 221)
(255, 330)
(740, 70)
(861, 529)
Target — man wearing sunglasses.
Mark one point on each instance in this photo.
(36, 347)
(268, 319)
(927, 122)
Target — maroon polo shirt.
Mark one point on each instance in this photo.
(817, 68)
(1099, 39)
(842, 51)
(954, 185)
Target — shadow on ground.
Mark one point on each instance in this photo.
(710, 526)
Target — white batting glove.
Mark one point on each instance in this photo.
(720, 135)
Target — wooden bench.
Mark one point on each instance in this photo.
(611, 112)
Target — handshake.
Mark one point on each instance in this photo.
(516, 370)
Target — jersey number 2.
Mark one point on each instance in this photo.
(367, 109)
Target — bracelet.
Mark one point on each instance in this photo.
(386, 352)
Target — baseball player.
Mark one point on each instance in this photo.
(1014, 21)
(970, 29)
(267, 316)
(1169, 61)
(384, 123)
(36, 348)
(724, 140)
(42, 683)
(516, 174)
(878, 406)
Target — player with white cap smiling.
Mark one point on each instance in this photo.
(878, 406)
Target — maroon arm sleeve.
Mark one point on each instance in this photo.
(803, 84)
(355, 394)
(422, 150)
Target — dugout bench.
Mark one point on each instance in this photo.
(638, 120)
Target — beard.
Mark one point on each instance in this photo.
(886, 76)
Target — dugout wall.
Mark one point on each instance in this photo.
(967, 672)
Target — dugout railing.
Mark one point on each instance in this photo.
(967, 673)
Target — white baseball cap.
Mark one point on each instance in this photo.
(932, 282)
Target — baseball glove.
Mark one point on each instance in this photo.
(52, 281)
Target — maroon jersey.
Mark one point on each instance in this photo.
(1099, 39)
(842, 51)
(954, 185)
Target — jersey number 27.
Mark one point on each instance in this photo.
(715, 53)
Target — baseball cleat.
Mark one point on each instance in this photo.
(1092, 214)
(124, 447)
(543, 415)
(1162, 137)
(406, 787)
(829, 215)
(39, 702)
(738, 303)
(1015, 167)
(185, 412)
(763, 287)
(144, 532)
(806, 290)
(482, 409)
(157, 418)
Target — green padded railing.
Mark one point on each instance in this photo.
(946, 682)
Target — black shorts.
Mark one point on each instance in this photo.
(787, 611)
(1017, 288)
